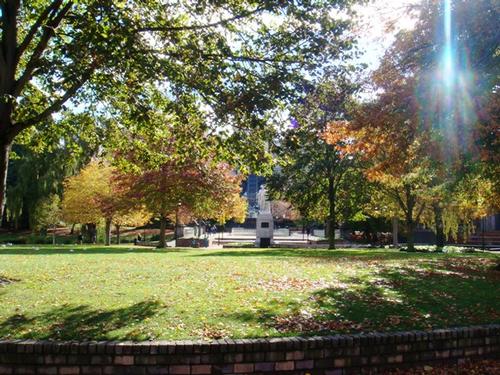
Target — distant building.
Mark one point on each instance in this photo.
(490, 223)
(250, 188)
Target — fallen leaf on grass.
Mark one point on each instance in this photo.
(394, 319)
(305, 321)
(208, 332)
(290, 283)
(479, 367)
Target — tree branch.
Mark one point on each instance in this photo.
(9, 43)
(251, 59)
(395, 193)
(199, 27)
(54, 6)
(48, 33)
(231, 57)
(420, 211)
(56, 105)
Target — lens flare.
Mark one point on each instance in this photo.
(448, 66)
(451, 90)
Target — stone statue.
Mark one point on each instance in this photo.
(265, 223)
(264, 204)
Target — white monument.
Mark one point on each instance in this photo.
(265, 221)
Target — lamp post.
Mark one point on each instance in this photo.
(483, 243)
(176, 230)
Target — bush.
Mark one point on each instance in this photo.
(156, 237)
(447, 249)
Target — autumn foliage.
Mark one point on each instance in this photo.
(94, 195)
(429, 133)
(187, 191)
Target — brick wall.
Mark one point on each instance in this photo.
(339, 354)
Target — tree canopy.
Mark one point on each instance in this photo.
(421, 131)
(312, 174)
(237, 61)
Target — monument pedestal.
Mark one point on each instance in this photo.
(264, 230)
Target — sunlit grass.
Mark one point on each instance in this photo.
(82, 292)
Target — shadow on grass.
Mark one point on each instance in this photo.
(354, 254)
(68, 250)
(80, 323)
(396, 298)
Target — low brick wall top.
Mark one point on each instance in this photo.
(341, 353)
(247, 345)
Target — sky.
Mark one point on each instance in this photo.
(374, 19)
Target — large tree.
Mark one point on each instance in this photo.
(312, 173)
(194, 189)
(239, 59)
(434, 103)
(434, 123)
(453, 54)
(82, 198)
(100, 192)
(41, 160)
(386, 132)
(48, 215)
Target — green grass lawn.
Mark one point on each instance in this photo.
(71, 292)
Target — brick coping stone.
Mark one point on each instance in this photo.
(244, 345)
(332, 354)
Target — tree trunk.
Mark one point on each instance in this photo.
(331, 214)
(118, 238)
(410, 224)
(395, 232)
(4, 167)
(89, 232)
(54, 234)
(72, 231)
(5, 220)
(25, 221)
(461, 234)
(84, 233)
(163, 226)
(438, 218)
(410, 232)
(108, 232)
(93, 233)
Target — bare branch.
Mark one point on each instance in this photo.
(212, 56)
(252, 59)
(395, 194)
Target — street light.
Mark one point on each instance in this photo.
(483, 243)
(176, 223)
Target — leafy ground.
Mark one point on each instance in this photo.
(71, 292)
(478, 367)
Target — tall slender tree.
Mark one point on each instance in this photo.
(311, 171)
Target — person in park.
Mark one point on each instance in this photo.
(137, 239)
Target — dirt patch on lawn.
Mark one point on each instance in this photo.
(6, 281)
